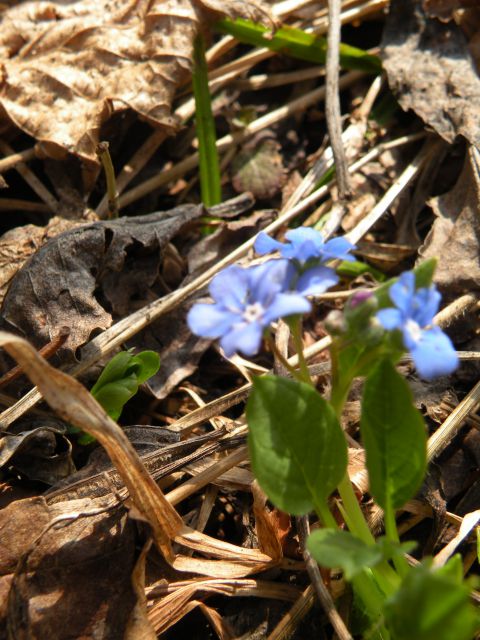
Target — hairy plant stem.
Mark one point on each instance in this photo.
(296, 329)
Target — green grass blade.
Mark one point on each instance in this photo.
(298, 44)
(208, 156)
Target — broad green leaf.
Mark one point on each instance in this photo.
(297, 448)
(114, 370)
(431, 605)
(114, 395)
(393, 434)
(335, 548)
(145, 365)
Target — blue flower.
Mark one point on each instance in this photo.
(307, 252)
(246, 302)
(431, 349)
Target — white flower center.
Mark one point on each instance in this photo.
(253, 312)
(414, 330)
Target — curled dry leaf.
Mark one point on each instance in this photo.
(69, 65)
(40, 452)
(83, 276)
(431, 71)
(76, 405)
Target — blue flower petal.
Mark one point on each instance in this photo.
(244, 337)
(230, 288)
(401, 292)
(338, 248)
(434, 354)
(266, 280)
(265, 244)
(316, 280)
(286, 304)
(305, 234)
(390, 318)
(210, 320)
(426, 303)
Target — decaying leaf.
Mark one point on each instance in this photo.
(67, 66)
(41, 452)
(83, 277)
(455, 235)
(18, 244)
(431, 71)
(51, 555)
(258, 168)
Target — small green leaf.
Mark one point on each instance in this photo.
(114, 395)
(145, 365)
(431, 605)
(334, 548)
(114, 370)
(393, 434)
(297, 448)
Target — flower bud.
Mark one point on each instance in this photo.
(335, 323)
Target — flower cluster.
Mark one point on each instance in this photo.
(248, 300)
(413, 313)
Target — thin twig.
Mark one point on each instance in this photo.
(332, 99)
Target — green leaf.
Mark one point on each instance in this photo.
(145, 365)
(298, 44)
(114, 395)
(120, 379)
(297, 448)
(393, 434)
(431, 604)
(114, 370)
(335, 548)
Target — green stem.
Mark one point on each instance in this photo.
(279, 356)
(357, 523)
(372, 600)
(207, 150)
(391, 531)
(325, 515)
(296, 329)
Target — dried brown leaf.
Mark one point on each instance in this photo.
(68, 66)
(49, 558)
(431, 71)
(139, 627)
(455, 234)
(39, 450)
(82, 277)
(18, 244)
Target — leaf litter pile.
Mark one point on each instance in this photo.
(155, 527)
